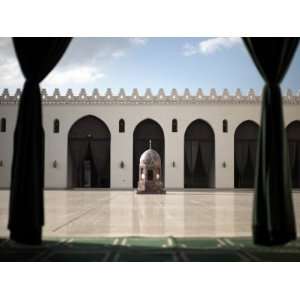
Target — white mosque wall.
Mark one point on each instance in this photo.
(6, 143)
(162, 111)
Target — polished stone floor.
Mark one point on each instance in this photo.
(123, 213)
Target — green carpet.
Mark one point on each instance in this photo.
(142, 249)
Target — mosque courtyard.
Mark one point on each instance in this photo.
(96, 213)
(107, 225)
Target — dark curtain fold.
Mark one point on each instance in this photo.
(252, 152)
(98, 157)
(187, 157)
(296, 168)
(88, 168)
(273, 213)
(193, 162)
(100, 152)
(199, 158)
(78, 150)
(292, 154)
(192, 159)
(207, 151)
(241, 155)
(247, 180)
(37, 57)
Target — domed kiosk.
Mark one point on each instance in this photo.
(150, 173)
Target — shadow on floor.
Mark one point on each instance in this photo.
(139, 249)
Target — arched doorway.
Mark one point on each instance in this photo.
(245, 144)
(199, 155)
(293, 135)
(143, 132)
(89, 154)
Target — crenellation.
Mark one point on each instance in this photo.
(69, 94)
(18, 94)
(251, 94)
(148, 94)
(5, 94)
(289, 94)
(199, 94)
(122, 94)
(213, 93)
(226, 94)
(161, 94)
(135, 94)
(186, 94)
(82, 94)
(238, 94)
(108, 93)
(173, 97)
(56, 94)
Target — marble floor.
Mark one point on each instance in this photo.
(97, 213)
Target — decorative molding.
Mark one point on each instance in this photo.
(135, 98)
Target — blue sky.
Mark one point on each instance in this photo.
(149, 63)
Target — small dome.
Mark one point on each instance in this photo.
(150, 158)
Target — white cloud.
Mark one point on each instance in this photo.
(138, 41)
(118, 54)
(73, 75)
(189, 50)
(10, 72)
(85, 61)
(211, 46)
(6, 43)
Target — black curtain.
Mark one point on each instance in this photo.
(293, 135)
(241, 155)
(273, 213)
(245, 161)
(37, 57)
(101, 156)
(207, 152)
(295, 167)
(199, 159)
(78, 149)
(200, 178)
(247, 180)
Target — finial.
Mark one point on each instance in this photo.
(150, 144)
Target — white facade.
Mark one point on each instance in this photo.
(133, 109)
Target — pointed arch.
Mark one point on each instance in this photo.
(199, 155)
(89, 153)
(245, 148)
(146, 130)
